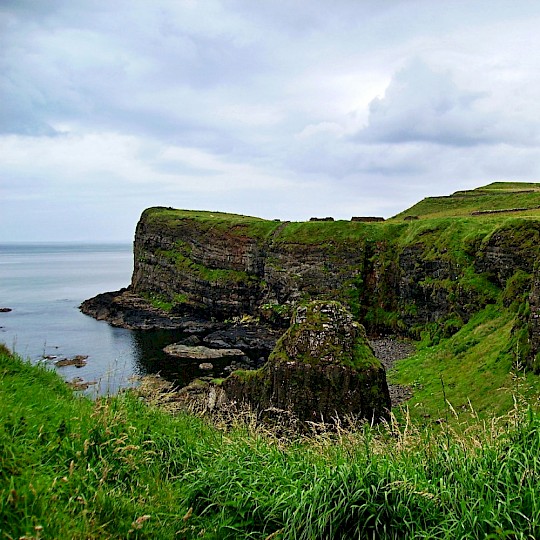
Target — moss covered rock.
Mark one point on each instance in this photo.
(322, 369)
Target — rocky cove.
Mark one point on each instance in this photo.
(221, 348)
(235, 282)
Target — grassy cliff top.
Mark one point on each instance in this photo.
(236, 224)
(505, 198)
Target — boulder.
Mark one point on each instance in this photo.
(200, 352)
(322, 369)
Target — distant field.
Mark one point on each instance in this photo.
(519, 199)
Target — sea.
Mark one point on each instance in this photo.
(44, 284)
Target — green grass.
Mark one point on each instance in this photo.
(478, 367)
(211, 275)
(495, 196)
(233, 224)
(115, 468)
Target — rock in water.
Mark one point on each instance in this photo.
(200, 352)
(322, 369)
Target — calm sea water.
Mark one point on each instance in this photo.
(44, 285)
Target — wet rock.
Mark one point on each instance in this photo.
(78, 361)
(127, 309)
(191, 341)
(79, 384)
(206, 366)
(200, 352)
(255, 337)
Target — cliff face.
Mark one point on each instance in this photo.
(393, 277)
(225, 269)
(400, 276)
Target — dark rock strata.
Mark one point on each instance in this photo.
(126, 309)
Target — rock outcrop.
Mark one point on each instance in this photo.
(322, 369)
(200, 352)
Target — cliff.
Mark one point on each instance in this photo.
(402, 276)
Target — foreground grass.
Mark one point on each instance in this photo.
(115, 468)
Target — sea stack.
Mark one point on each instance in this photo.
(321, 370)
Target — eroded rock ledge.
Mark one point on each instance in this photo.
(126, 309)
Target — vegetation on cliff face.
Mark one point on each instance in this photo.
(116, 468)
(440, 278)
(325, 333)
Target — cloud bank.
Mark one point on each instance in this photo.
(281, 110)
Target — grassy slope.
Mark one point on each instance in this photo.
(476, 371)
(495, 196)
(476, 367)
(115, 468)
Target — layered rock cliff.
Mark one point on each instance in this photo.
(401, 276)
(395, 277)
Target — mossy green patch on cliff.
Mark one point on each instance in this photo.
(160, 301)
(323, 332)
(212, 275)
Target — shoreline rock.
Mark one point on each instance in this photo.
(78, 361)
(128, 310)
(200, 352)
(321, 370)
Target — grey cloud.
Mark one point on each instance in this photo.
(424, 105)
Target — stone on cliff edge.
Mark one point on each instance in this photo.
(322, 369)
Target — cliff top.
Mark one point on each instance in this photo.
(512, 198)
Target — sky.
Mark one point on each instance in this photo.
(282, 109)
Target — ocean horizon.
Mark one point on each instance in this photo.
(44, 283)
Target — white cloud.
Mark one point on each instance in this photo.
(423, 105)
(268, 108)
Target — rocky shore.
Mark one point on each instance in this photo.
(251, 341)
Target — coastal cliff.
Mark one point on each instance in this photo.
(402, 276)
(395, 277)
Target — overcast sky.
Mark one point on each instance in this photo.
(275, 108)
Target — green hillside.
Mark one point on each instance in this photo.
(118, 469)
(512, 198)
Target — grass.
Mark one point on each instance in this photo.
(116, 468)
(475, 369)
(495, 196)
(171, 219)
